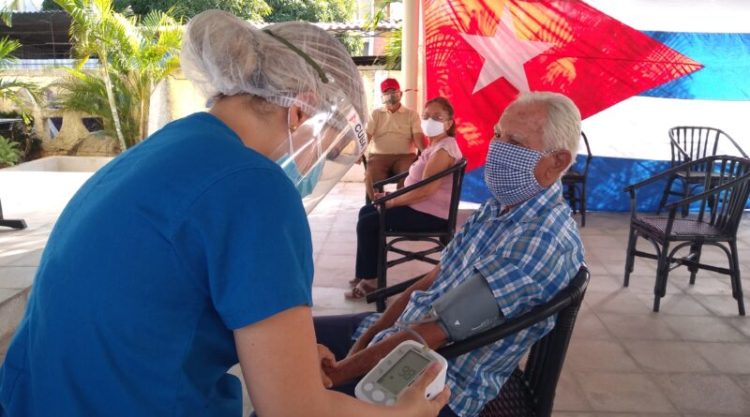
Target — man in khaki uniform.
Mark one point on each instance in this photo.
(394, 134)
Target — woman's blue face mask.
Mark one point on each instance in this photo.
(304, 184)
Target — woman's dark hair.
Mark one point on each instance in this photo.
(446, 105)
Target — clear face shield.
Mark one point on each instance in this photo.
(322, 149)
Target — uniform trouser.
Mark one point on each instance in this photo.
(382, 166)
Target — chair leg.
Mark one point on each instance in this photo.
(583, 205)
(630, 256)
(662, 271)
(695, 251)
(734, 266)
(382, 271)
(572, 198)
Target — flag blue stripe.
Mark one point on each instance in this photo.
(726, 61)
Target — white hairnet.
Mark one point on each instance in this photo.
(291, 63)
(222, 54)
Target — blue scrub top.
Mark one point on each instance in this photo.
(152, 264)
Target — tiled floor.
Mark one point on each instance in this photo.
(691, 359)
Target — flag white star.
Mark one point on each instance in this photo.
(504, 54)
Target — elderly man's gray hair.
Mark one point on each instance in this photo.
(563, 128)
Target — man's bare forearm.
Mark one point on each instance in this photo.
(358, 364)
(394, 310)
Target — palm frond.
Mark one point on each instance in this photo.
(7, 47)
(133, 55)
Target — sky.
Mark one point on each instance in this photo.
(26, 5)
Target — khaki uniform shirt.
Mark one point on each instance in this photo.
(392, 132)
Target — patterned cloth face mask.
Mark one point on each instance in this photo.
(509, 172)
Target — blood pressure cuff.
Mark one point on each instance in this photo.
(468, 309)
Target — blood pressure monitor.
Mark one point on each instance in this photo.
(394, 373)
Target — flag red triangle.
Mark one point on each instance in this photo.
(475, 55)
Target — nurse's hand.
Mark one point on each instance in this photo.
(413, 398)
(327, 362)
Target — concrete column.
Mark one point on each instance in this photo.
(410, 53)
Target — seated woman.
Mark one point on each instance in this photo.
(425, 208)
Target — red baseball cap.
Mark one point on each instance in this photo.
(389, 84)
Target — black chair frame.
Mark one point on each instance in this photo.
(727, 186)
(388, 239)
(574, 185)
(12, 223)
(689, 143)
(531, 391)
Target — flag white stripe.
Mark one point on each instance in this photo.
(637, 127)
(714, 16)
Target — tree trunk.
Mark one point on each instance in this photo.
(111, 99)
(145, 109)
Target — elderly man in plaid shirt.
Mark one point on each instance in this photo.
(522, 241)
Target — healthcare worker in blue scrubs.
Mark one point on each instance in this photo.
(191, 251)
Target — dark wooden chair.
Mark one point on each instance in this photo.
(574, 184)
(689, 143)
(389, 240)
(726, 186)
(529, 392)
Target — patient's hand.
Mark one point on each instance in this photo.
(327, 364)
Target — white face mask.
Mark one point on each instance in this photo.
(432, 128)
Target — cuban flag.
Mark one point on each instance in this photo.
(635, 68)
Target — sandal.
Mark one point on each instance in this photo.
(360, 291)
(353, 282)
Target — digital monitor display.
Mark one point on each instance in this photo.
(403, 372)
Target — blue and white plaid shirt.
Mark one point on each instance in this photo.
(527, 256)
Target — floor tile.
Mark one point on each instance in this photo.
(666, 356)
(704, 329)
(621, 301)
(744, 382)
(603, 283)
(709, 285)
(740, 323)
(729, 358)
(330, 301)
(709, 394)
(8, 293)
(589, 326)
(601, 355)
(569, 395)
(16, 277)
(675, 304)
(624, 392)
(643, 282)
(643, 327)
(721, 305)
